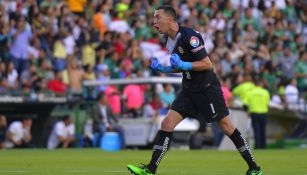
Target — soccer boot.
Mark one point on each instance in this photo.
(142, 170)
(254, 172)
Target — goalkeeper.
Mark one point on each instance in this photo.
(200, 96)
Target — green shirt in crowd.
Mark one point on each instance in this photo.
(257, 100)
(301, 68)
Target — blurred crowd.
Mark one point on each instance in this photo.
(51, 46)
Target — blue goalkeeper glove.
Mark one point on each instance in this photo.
(156, 65)
(177, 63)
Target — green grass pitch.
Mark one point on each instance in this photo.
(98, 162)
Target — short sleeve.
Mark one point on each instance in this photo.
(245, 101)
(71, 130)
(196, 46)
(60, 129)
(13, 127)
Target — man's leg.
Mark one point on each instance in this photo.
(256, 129)
(239, 141)
(263, 131)
(102, 129)
(121, 133)
(162, 142)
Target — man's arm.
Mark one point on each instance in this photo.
(301, 75)
(28, 136)
(96, 116)
(174, 70)
(202, 65)
(10, 137)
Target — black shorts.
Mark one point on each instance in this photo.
(207, 106)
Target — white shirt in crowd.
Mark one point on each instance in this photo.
(60, 129)
(291, 96)
(69, 43)
(18, 132)
(12, 77)
(120, 26)
(103, 110)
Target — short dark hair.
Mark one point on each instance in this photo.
(168, 10)
(100, 95)
(26, 118)
(66, 117)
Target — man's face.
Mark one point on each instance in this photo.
(27, 123)
(103, 100)
(68, 121)
(161, 21)
(2, 121)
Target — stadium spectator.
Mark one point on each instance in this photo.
(57, 85)
(287, 63)
(226, 64)
(167, 96)
(104, 120)
(3, 81)
(243, 88)
(301, 72)
(62, 134)
(4, 40)
(30, 79)
(88, 134)
(89, 72)
(11, 76)
(88, 52)
(291, 95)
(19, 134)
(156, 102)
(103, 74)
(60, 54)
(21, 35)
(77, 6)
(225, 82)
(257, 101)
(114, 99)
(3, 124)
(75, 76)
(134, 99)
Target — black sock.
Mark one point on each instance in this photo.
(244, 149)
(161, 146)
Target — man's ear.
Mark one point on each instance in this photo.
(169, 18)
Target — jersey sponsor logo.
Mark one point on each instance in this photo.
(198, 49)
(180, 49)
(194, 41)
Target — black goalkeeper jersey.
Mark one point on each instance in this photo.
(189, 45)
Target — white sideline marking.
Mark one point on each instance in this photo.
(89, 171)
(69, 171)
(13, 171)
(209, 173)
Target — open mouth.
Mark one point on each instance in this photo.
(156, 27)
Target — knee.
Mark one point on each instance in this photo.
(227, 128)
(167, 125)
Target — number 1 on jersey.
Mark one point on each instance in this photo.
(188, 75)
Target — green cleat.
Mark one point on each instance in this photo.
(254, 172)
(142, 170)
